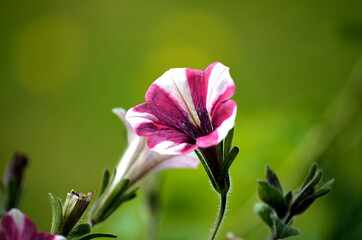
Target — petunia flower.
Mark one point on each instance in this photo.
(189, 109)
(186, 109)
(137, 162)
(17, 226)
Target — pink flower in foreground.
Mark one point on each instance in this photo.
(186, 109)
(17, 226)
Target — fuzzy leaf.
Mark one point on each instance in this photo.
(310, 175)
(273, 198)
(308, 201)
(57, 213)
(273, 180)
(284, 231)
(79, 230)
(288, 198)
(105, 181)
(265, 212)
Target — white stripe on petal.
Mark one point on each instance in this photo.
(58, 237)
(226, 126)
(219, 81)
(175, 82)
(137, 118)
(171, 148)
(18, 217)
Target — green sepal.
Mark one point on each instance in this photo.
(106, 205)
(227, 162)
(265, 212)
(105, 182)
(282, 230)
(207, 169)
(98, 235)
(272, 179)
(79, 230)
(228, 141)
(273, 198)
(13, 195)
(57, 214)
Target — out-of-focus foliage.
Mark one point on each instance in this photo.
(65, 65)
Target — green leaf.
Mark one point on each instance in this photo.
(105, 181)
(98, 235)
(273, 180)
(303, 205)
(228, 141)
(284, 231)
(310, 175)
(79, 230)
(288, 198)
(57, 214)
(308, 189)
(265, 212)
(273, 198)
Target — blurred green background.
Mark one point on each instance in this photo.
(296, 65)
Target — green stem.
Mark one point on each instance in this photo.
(272, 236)
(219, 217)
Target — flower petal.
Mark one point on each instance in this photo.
(220, 85)
(29, 231)
(223, 119)
(177, 161)
(162, 137)
(9, 228)
(166, 140)
(121, 113)
(48, 236)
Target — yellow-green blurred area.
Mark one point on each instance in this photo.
(296, 65)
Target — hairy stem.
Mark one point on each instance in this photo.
(219, 217)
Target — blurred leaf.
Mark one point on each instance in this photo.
(308, 188)
(265, 213)
(105, 181)
(310, 175)
(308, 201)
(273, 198)
(288, 198)
(272, 179)
(57, 213)
(284, 231)
(98, 235)
(79, 230)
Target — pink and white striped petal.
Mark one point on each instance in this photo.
(17, 226)
(186, 109)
